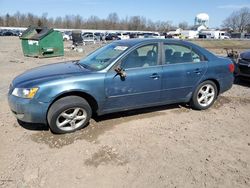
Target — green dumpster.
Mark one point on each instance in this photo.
(42, 42)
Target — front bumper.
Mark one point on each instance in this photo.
(244, 68)
(28, 110)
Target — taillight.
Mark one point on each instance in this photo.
(231, 67)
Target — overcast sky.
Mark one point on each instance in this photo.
(174, 10)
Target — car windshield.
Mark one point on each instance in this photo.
(102, 57)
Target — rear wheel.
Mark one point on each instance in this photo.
(204, 95)
(69, 114)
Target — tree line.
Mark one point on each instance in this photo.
(112, 22)
(238, 21)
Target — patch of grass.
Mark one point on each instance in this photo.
(221, 44)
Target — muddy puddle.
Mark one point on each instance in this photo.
(182, 109)
(97, 126)
(105, 155)
(222, 100)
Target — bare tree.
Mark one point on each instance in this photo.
(248, 28)
(58, 22)
(1, 21)
(239, 20)
(113, 20)
(77, 22)
(183, 25)
(17, 16)
(163, 26)
(7, 20)
(93, 22)
(67, 22)
(44, 19)
(137, 23)
(31, 20)
(22, 21)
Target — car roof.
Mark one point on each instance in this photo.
(134, 42)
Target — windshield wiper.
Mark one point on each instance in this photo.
(81, 65)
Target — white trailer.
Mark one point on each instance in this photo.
(189, 34)
(216, 34)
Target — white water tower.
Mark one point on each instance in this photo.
(201, 19)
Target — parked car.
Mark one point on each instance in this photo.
(66, 37)
(123, 75)
(122, 36)
(243, 66)
(89, 38)
(247, 36)
(132, 35)
(112, 36)
(8, 33)
(99, 36)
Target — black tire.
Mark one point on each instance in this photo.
(202, 105)
(68, 104)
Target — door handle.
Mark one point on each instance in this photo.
(155, 76)
(197, 71)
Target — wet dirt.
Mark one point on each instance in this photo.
(97, 126)
(105, 155)
(221, 100)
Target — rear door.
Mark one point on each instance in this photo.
(183, 68)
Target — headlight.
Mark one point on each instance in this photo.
(27, 93)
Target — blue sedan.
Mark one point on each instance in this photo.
(120, 76)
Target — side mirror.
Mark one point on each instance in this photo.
(120, 72)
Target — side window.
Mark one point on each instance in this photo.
(196, 57)
(143, 56)
(180, 54)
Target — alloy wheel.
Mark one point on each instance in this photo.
(206, 95)
(71, 119)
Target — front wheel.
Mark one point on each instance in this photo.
(204, 95)
(69, 114)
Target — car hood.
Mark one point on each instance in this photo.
(60, 70)
(245, 55)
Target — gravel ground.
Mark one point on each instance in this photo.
(167, 146)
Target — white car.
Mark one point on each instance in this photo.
(123, 36)
(89, 38)
(65, 36)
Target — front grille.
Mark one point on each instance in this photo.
(244, 62)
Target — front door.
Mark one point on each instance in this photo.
(142, 84)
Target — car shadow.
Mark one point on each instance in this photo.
(143, 112)
(33, 126)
